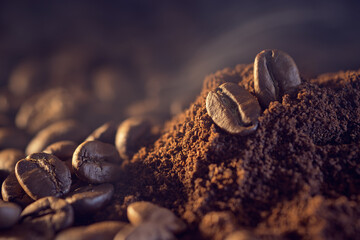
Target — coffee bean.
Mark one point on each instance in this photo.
(63, 130)
(145, 231)
(124, 232)
(233, 109)
(62, 149)
(55, 213)
(241, 235)
(46, 108)
(97, 162)
(140, 212)
(275, 74)
(131, 135)
(8, 158)
(89, 199)
(102, 230)
(12, 138)
(42, 174)
(12, 191)
(105, 133)
(9, 214)
(73, 233)
(212, 224)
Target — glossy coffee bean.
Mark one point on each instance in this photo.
(105, 133)
(8, 158)
(97, 162)
(141, 212)
(62, 149)
(275, 74)
(11, 191)
(46, 108)
(42, 174)
(145, 231)
(63, 130)
(132, 135)
(52, 212)
(91, 198)
(9, 214)
(98, 231)
(233, 109)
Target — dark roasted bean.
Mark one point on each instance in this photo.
(12, 191)
(62, 149)
(62, 130)
(131, 135)
(275, 74)
(105, 133)
(42, 174)
(55, 213)
(88, 199)
(233, 109)
(96, 162)
(9, 214)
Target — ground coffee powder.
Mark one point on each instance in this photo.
(295, 177)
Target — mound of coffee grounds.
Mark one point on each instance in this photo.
(295, 177)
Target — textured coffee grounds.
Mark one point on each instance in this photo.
(296, 177)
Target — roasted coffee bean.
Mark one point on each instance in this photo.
(212, 224)
(63, 130)
(62, 149)
(89, 199)
(140, 212)
(46, 108)
(42, 174)
(275, 74)
(8, 158)
(12, 191)
(145, 231)
(97, 162)
(241, 235)
(12, 138)
(105, 133)
(55, 213)
(131, 135)
(98, 231)
(9, 214)
(233, 109)
(124, 233)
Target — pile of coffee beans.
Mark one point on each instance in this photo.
(54, 172)
(235, 110)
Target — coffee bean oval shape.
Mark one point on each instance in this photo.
(42, 174)
(62, 149)
(89, 199)
(96, 162)
(11, 191)
(55, 213)
(141, 212)
(9, 214)
(131, 136)
(233, 109)
(275, 74)
(105, 133)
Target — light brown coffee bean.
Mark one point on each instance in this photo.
(275, 74)
(233, 109)
(141, 212)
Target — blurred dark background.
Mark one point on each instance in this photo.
(153, 52)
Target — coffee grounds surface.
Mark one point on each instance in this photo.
(296, 177)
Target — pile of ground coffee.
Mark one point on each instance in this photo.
(295, 177)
